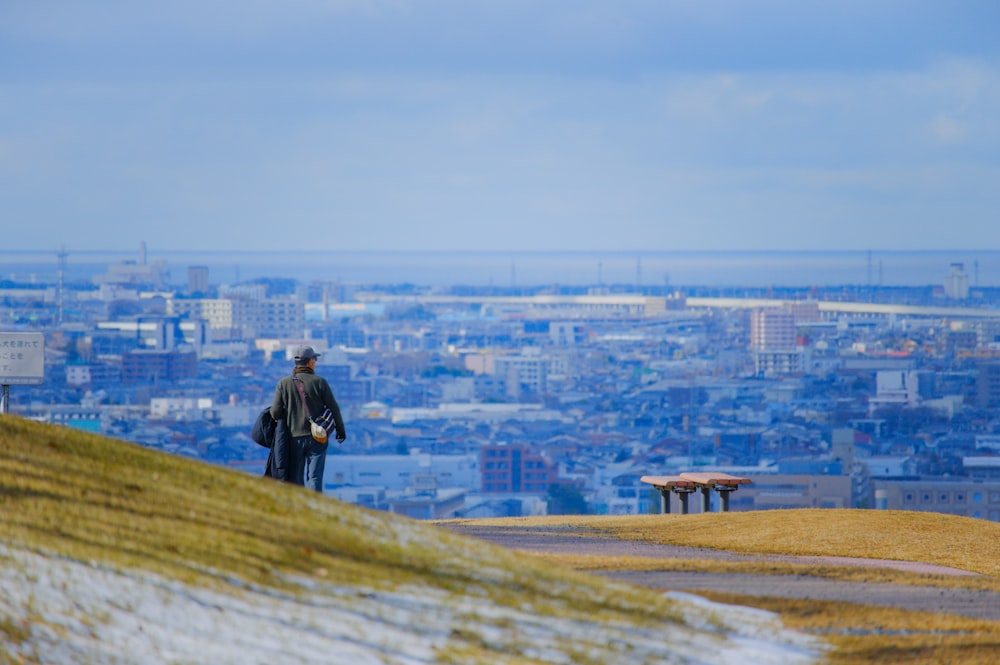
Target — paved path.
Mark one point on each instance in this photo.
(964, 602)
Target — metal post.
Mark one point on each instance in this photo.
(666, 500)
(5, 399)
(724, 497)
(683, 496)
(706, 500)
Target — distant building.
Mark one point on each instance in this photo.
(136, 273)
(93, 374)
(988, 384)
(970, 498)
(528, 370)
(516, 469)
(244, 318)
(773, 342)
(905, 388)
(566, 333)
(160, 332)
(956, 285)
(346, 389)
(796, 491)
(424, 501)
(197, 280)
(395, 473)
(153, 365)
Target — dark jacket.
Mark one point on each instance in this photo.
(285, 461)
(287, 404)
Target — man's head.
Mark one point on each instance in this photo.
(305, 354)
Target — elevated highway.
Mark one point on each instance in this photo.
(650, 306)
(853, 308)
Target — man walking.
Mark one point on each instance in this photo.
(299, 400)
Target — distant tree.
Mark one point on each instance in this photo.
(566, 500)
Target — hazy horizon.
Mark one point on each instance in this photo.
(730, 268)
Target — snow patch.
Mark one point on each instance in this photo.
(70, 612)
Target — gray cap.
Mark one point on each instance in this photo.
(305, 354)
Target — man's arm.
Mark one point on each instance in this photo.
(331, 403)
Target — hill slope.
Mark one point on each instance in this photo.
(113, 553)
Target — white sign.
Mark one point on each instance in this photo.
(22, 358)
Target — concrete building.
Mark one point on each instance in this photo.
(956, 284)
(244, 318)
(161, 332)
(93, 374)
(770, 491)
(969, 498)
(527, 371)
(905, 388)
(773, 342)
(395, 473)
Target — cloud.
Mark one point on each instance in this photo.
(445, 125)
(948, 130)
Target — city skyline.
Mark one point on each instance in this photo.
(445, 126)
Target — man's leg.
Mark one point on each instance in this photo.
(296, 471)
(315, 463)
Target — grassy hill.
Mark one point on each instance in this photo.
(113, 553)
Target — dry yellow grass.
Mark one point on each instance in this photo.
(958, 542)
(860, 634)
(843, 573)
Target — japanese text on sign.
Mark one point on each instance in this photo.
(22, 358)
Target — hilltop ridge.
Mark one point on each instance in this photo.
(116, 553)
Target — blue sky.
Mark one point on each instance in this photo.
(514, 125)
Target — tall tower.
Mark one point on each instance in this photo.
(62, 254)
(956, 285)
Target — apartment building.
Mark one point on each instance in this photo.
(773, 342)
(515, 469)
(244, 318)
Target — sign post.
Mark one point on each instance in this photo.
(22, 362)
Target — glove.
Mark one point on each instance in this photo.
(341, 437)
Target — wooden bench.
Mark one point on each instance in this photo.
(686, 483)
(676, 484)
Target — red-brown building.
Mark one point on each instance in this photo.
(516, 469)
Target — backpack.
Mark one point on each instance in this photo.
(263, 428)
